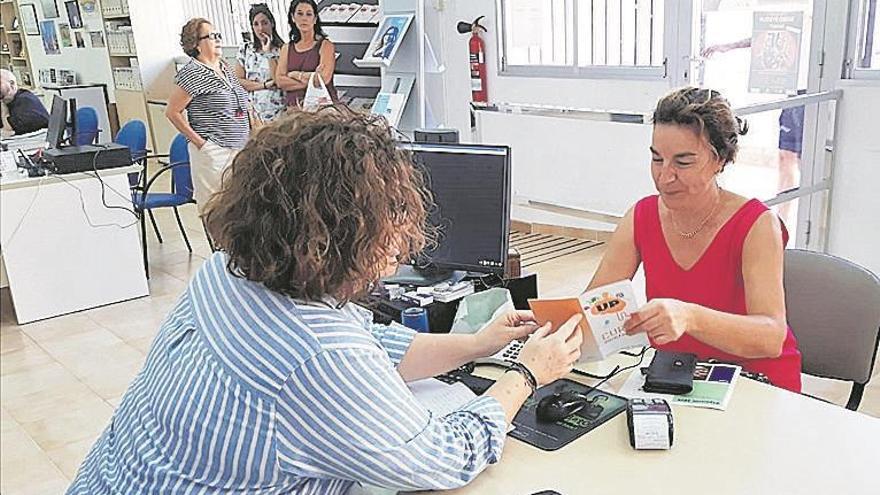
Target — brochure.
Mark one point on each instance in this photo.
(387, 39)
(713, 387)
(390, 106)
(605, 311)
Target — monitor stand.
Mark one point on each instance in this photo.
(424, 277)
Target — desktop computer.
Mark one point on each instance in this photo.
(63, 158)
(471, 189)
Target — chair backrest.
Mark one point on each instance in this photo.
(86, 126)
(133, 135)
(833, 308)
(181, 176)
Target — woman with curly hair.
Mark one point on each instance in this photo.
(266, 378)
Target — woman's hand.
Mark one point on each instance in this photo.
(551, 356)
(265, 43)
(664, 320)
(499, 332)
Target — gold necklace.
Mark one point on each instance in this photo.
(693, 233)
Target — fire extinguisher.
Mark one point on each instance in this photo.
(477, 58)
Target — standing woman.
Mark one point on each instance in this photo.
(217, 122)
(309, 51)
(256, 64)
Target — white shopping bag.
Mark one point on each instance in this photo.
(316, 97)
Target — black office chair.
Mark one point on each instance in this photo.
(833, 308)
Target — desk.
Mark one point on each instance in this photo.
(56, 262)
(768, 441)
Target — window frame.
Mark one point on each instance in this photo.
(856, 32)
(574, 71)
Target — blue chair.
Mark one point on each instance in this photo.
(181, 193)
(86, 126)
(133, 135)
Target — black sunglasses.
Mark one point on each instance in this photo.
(213, 36)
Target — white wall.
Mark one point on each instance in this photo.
(157, 25)
(855, 225)
(568, 162)
(91, 64)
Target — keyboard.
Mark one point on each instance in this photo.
(506, 356)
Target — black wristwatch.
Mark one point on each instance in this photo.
(526, 373)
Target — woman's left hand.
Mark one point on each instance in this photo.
(500, 331)
(664, 320)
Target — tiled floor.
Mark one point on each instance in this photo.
(62, 378)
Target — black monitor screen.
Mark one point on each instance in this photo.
(471, 189)
(57, 122)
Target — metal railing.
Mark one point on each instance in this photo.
(814, 184)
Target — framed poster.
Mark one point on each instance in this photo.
(50, 10)
(29, 19)
(64, 31)
(80, 41)
(88, 6)
(50, 38)
(97, 39)
(73, 15)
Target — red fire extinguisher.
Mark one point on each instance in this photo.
(477, 56)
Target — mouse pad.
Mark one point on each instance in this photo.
(552, 436)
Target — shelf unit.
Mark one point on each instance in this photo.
(359, 85)
(13, 46)
(131, 102)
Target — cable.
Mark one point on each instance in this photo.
(82, 202)
(104, 186)
(26, 212)
(617, 369)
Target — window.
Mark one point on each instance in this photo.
(230, 17)
(868, 54)
(582, 37)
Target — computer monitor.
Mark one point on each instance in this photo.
(57, 122)
(471, 189)
(62, 122)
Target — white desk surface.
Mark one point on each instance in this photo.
(13, 181)
(63, 250)
(768, 441)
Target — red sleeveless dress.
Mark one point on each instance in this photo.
(715, 281)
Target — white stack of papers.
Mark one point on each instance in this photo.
(441, 398)
(27, 143)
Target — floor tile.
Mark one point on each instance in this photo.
(68, 458)
(70, 425)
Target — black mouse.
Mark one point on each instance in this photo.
(558, 406)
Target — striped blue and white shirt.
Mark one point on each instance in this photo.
(248, 391)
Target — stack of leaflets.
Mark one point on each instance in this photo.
(605, 310)
(713, 387)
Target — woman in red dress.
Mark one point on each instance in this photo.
(712, 259)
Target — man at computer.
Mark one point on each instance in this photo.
(25, 111)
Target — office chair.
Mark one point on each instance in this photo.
(133, 135)
(86, 126)
(833, 308)
(181, 193)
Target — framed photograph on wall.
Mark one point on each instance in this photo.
(73, 14)
(80, 41)
(50, 38)
(64, 31)
(50, 9)
(29, 19)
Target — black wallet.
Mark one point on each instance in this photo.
(671, 373)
